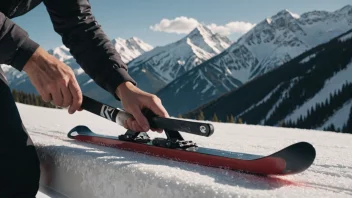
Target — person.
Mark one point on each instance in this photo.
(74, 22)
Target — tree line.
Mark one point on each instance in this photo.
(30, 99)
(214, 118)
(321, 112)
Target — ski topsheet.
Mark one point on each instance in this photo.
(290, 160)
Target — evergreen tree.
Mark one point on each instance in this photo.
(231, 119)
(215, 118)
(200, 116)
(15, 95)
(349, 123)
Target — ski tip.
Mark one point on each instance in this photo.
(298, 157)
(79, 130)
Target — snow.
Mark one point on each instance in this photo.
(267, 97)
(78, 71)
(271, 43)
(11, 73)
(130, 48)
(88, 81)
(268, 20)
(170, 61)
(306, 59)
(62, 53)
(83, 170)
(294, 15)
(333, 84)
(346, 37)
(206, 88)
(278, 102)
(181, 62)
(41, 195)
(340, 118)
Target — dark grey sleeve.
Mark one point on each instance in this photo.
(74, 22)
(15, 45)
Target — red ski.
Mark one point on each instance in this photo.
(290, 160)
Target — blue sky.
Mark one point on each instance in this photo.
(129, 18)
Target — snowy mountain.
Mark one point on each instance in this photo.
(85, 170)
(62, 53)
(271, 43)
(129, 49)
(158, 67)
(311, 91)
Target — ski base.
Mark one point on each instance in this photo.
(291, 160)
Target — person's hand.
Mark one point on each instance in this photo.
(54, 80)
(134, 100)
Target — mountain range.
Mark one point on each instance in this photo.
(312, 91)
(203, 66)
(160, 66)
(271, 43)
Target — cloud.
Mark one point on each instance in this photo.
(183, 25)
(179, 25)
(232, 27)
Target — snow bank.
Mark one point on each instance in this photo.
(83, 170)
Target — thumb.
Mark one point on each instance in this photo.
(158, 109)
(140, 118)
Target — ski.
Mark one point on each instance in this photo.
(290, 160)
(293, 159)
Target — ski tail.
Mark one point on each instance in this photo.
(119, 116)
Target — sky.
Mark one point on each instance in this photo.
(159, 22)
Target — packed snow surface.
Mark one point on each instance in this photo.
(83, 170)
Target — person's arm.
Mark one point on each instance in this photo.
(53, 80)
(16, 47)
(94, 52)
(74, 22)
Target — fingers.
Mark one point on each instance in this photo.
(67, 94)
(46, 96)
(67, 97)
(132, 124)
(142, 122)
(157, 130)
(76, 97)
(57, 97)
(157, 107)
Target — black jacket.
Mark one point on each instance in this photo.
(74, 22)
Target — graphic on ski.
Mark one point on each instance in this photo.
(290, 160)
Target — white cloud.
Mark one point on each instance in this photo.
(183, 25)
(232, 27)
(179, 25)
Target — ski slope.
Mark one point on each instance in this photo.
(82, 170)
